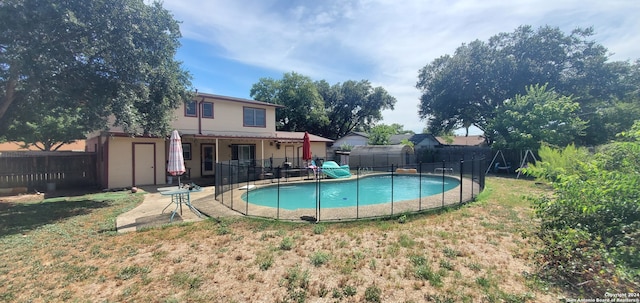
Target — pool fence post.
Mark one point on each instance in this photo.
(319, 201)
(420, 186)
(443, 166)
(248, 178)
(231, 182)
(461, 169)
(278, 194)
(473, 172)
(392, 172)
(358, 193)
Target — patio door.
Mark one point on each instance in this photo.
(288, 155)
(208, 159)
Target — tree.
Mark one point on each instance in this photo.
(47, 129)
(303, 106)
(328, 110)
(469, 87)
(540, 115)
(381, 133)
(452, 89)
(80, 62)
(352, 106)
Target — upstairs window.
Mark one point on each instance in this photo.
(191, 109)
(255, 117)
(207, 110)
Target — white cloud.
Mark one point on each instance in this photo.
(386, 42)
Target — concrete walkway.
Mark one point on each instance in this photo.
(149, 213)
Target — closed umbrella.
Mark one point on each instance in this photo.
(175, 167)
(306, 147)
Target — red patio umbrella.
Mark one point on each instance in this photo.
(306, 147)
(175, 167)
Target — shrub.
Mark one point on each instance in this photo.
(264, 260)
(318, 258)
(297, 284)
(286, 244)
(349, 291)
(556, 162)
(372, 294)
(319, 229)
(590, 228)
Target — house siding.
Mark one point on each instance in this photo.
(116, 150)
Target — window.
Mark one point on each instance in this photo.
(255, 117)
(186, 151)
(207, 110)
(245, 154)
(191, 109)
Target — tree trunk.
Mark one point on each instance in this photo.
(10, 92)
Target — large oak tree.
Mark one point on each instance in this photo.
(353, 105)
(331, 111)
(74, 64)
(470, 86)
(303, 106)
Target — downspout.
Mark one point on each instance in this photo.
(199, 113)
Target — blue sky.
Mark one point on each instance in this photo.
(229, 45)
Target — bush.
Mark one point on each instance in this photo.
(372, 294)
(286, 243)
(590, 228)
(570, 257)
(557, 162)
(318, 258)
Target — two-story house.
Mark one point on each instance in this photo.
(214, 129)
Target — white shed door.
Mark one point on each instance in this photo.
(144, 168)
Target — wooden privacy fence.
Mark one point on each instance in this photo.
(44, 170)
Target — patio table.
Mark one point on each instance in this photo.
(179, 196)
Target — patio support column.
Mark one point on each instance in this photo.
(217, 154)
(261, 152)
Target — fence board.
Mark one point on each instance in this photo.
(35, 170)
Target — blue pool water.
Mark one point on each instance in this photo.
(368, 190)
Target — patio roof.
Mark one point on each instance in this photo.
(278, 136)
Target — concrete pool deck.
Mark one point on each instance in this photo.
(233, 199)
(230, 204)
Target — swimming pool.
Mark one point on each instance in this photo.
(369, 190)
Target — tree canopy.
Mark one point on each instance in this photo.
(353, 106)
(73, 64)
(470, 86)
(381, 134)
(327, 110)
(539, 115)
(304, 107)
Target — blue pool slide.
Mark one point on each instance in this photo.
(332, 170)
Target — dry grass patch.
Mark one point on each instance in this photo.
(471, 254)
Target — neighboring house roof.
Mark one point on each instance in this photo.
(234, 99)
(464, 141)
(416, 139)
(16, 146)
(397, 139)
(379, 149)
(353, 138)
(362, 134)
